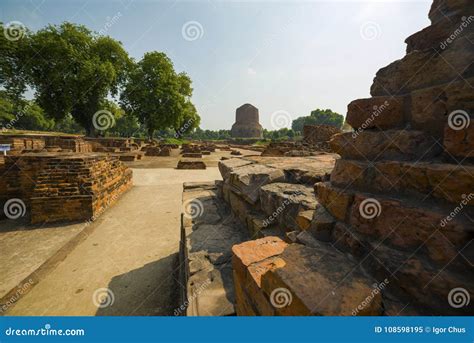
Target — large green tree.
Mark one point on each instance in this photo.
(72, 71)
(158, 96)
(318, 117)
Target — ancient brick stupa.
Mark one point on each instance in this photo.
(246, 123)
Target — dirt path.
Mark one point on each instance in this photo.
(132, 252)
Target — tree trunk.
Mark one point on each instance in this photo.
(91, 131)
(150, 134)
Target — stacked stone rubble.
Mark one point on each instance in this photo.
(402, 194)
(273, 195)
(392, 233)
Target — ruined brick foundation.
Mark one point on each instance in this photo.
(63, 186)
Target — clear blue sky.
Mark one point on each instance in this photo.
(291, 56)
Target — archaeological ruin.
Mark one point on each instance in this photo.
(383, 227)
(247, 123)
(375, 219)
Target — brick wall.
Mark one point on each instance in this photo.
(65, 187)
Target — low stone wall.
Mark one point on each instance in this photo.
(65, 187)
(208, 231)
(319, 133)
(19, 142)
(37, 142)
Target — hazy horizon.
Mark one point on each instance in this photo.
(285, 57)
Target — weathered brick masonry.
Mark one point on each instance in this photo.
(64, 186)
(391, 232)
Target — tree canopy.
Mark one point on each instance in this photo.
(158, 96)
(318, 117)
(72, 70)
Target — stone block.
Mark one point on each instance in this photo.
(192, 154)
(250, 261)
(248, 180)
(319, 281)
(392, 144)
(322, 224)
(430, 107)
(422, 180)
(337, 201)
(191, 164)
(227, 166)
(395, 222)
(283, 203)
(382, 112)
